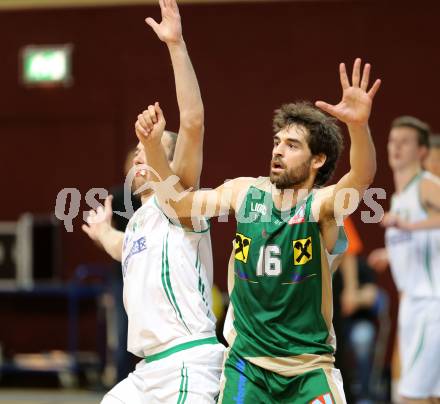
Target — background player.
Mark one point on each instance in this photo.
(378, 258)
(412, 239)
(167, 269)
(280, 318)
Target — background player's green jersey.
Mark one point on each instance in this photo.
(280, 316)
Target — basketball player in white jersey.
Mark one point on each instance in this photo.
(167, 268)
(413, 248)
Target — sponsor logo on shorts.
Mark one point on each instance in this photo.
(324, 399)
(302, 251)
(241, 247)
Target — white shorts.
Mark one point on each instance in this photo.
(191, 376)
(419, 345)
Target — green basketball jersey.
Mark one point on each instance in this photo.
(281, 298)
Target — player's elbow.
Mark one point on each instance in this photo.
(117, 256)
(369, 177)
(371, 172)
(365, 177)
(193, 121)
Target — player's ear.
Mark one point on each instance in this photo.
(318, 160)
(423, 152)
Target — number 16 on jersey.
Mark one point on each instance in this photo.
(269, 261)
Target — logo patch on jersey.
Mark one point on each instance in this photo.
(241, 246)
(299, 216)
(137, 247)
(259, 208)
(324, 399)
(302, 251)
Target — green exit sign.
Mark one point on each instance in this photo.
(46, 66)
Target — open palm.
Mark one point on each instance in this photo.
(170, 28)
(355, 106)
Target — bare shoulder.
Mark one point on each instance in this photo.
(240, 183)
(430, 182)
(430, 190)
(239, 187)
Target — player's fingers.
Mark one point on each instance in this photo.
(100, 211)
(140, 131)
(374, 88)
(152, 23)
(148, 121)
(356, 72)
(173, 5)
(142, 122)
(365, 77)
(159, 111)
(325, 107)
(90, 217)
(343, 76)
(108, 203)
(162, 4)
(96, 218)
(152, 112)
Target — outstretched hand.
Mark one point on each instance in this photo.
(356, 103)
(99, 221)
(150, 124)
(170, 28)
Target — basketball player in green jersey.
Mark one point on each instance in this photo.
(279, 328)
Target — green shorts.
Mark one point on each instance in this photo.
(245, 383)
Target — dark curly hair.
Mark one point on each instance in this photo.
(324, 134)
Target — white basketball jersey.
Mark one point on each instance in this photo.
(414, 256)
(167, 282)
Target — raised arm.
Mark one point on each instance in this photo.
(176, 201)
(354, 110)
(188, 156)
(99, 228)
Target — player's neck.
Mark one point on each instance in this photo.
(404, 176)
(285, 199)
(146, 196)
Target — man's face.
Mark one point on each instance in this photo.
(142, 173)
(403, 148)
(139, 163)
(432, 162)
(291, 157)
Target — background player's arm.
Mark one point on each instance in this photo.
(430, 195)
(99, 228)
(378, 259)
(430, 198)
(349, 272)
(354, 110)
(188, 155)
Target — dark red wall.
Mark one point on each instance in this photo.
(249, 58)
